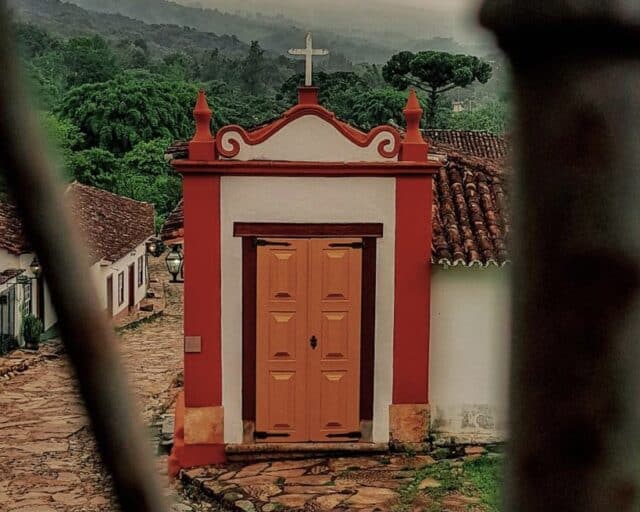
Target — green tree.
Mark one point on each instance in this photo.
(146, 176)
(378, 106)
(252, 69)
(96, 167)
(492, 117)
(434, 73)
(88, 60)
(133, 107)
(147, 158)
(32, 41)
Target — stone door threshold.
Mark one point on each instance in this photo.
(276, 451)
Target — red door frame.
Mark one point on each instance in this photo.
(132, 289)
(248, 231)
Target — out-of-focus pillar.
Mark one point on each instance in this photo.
(575, 404)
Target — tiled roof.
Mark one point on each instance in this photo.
(11, 235)
(111, 225)
(7, 275)
(174, 225)
(471, 217)
(473, 143)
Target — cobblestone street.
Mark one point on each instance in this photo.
(48, 460)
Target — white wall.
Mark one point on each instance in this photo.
(305, 200)
(470, 339)
(311, 139)
(99, 276)
(101, 273)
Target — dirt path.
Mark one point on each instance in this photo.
(48, 460)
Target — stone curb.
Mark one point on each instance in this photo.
(140, 321)
(21, 366)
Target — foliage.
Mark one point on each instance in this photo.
(231, 106)
(114, 98)
(480, 478)
(146, 176)
(96, 167)
(435, 73)
(378, 106)
(133, 107)
(32, 329)
(492, 117)
(88, 60)
(252, 69)
(485, 474)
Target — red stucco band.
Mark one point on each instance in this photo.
(202, 371)
(412, 290)
(188, 456)
(320, 169)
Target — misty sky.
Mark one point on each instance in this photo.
(417, 18)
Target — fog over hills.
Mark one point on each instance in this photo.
(360, 30)
(415, 19)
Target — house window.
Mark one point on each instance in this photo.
(8, 313)
(140, 270)
(120, 288)
(26, 298)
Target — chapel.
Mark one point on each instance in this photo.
(344, 291)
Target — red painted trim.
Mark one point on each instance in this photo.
(412, 290)
(322, 169)
(185, 456)
(203, 371)
(368, 328)
(249, 288)
(260, 135)
(249, 294)
(308, 230)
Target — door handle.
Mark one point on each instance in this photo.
(313, 342)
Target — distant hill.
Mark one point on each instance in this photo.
(275, 33)
(68, 20)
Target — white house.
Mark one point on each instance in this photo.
(115, 230)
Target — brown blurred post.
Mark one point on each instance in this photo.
(88, 337)
(575, 403)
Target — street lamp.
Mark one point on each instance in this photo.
(36, 268)
(175, 260)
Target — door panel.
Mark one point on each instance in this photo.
(281, 405)
(334, 318)
(110, 296)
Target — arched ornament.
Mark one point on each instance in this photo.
(309, 133)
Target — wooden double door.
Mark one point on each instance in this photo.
(308, 339)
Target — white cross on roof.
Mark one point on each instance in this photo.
(309, 52)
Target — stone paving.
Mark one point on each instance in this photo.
(48, 460)
(365, 484)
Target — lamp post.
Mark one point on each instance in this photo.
(175, 261)
(36, 270)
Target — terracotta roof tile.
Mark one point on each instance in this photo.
(11, 235)
(110, 225)
(174, 225)
(471, 219)
(473, 143)
(8, 274)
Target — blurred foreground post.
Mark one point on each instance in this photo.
(575, 403)
(88, 337)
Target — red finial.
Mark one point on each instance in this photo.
(413, 114)
(202, 115)
(414, 146)
(202, 145)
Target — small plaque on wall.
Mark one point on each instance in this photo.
(192, 344)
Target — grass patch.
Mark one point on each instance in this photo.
(480, 478)
(485, 474)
